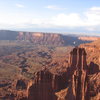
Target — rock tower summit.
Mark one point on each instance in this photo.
(78, 58)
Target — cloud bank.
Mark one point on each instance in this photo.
(88, 20)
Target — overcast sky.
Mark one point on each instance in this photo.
(51, 15)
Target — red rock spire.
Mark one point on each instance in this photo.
(78, 66)
(78, 58)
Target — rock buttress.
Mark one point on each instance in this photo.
(46, 85)
(42, 88)
(77, 75)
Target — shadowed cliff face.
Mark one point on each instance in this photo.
(8, 35)
(74, 84)
(45, 86)
(42, 89)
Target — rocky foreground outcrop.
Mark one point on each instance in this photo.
(79, 82)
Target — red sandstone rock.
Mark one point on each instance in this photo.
(80, 87)
(79, 82)
(42, 89)
(87, 38)
(41, 38)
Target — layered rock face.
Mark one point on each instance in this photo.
(89, 38)
(79, 82)
(41, 38)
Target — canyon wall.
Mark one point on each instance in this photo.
(76, 83)
(87, 38)
(41, 38)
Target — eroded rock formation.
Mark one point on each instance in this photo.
(78, 73)
(79, 82)
(42, 89)
(46, 84)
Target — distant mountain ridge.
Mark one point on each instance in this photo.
(42, 38)
(8, 35)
